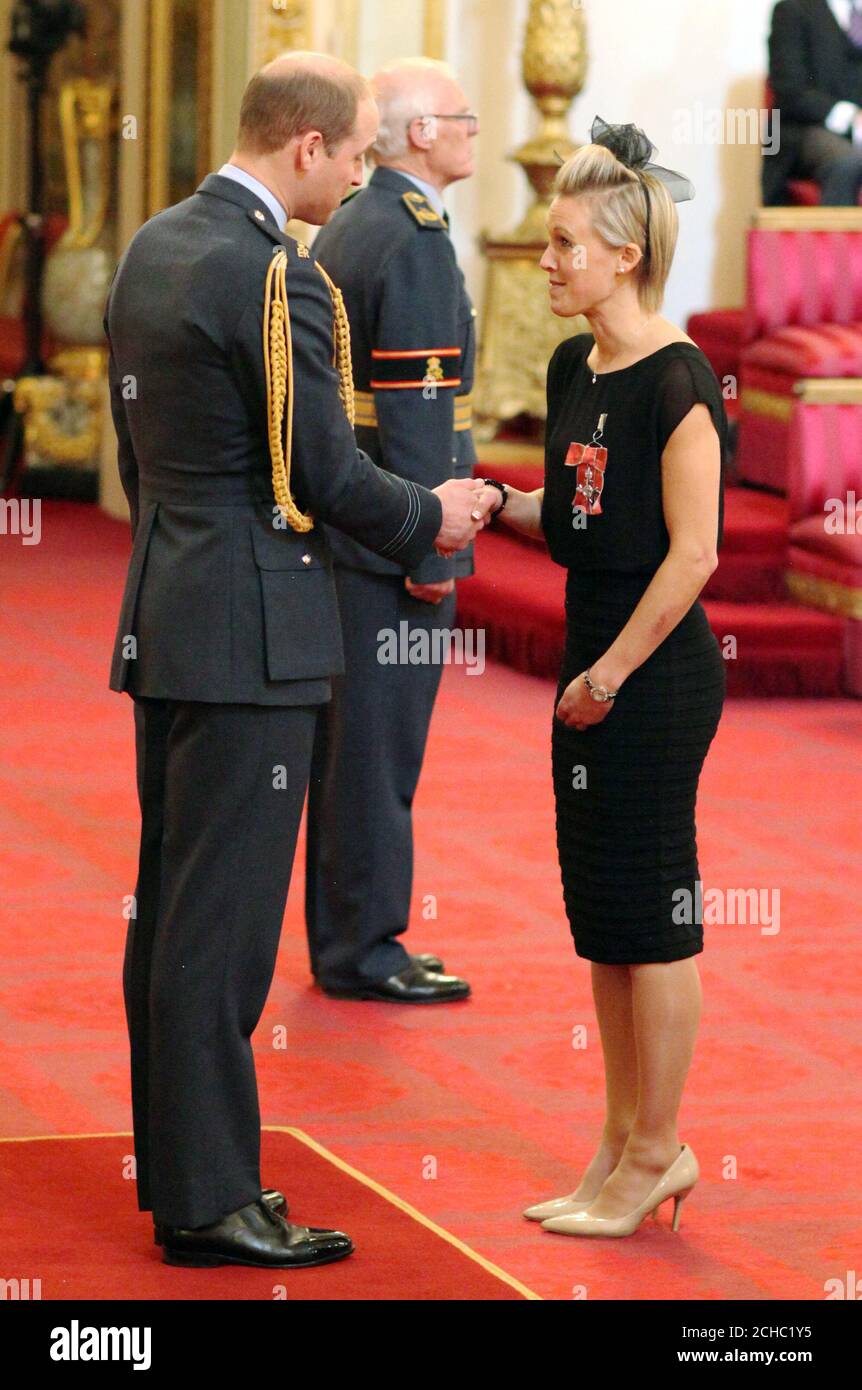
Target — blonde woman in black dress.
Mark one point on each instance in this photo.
(632, 507)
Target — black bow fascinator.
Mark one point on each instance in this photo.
(634, 148)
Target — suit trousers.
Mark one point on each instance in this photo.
(834, 162)
(368, 753)
(221, 790)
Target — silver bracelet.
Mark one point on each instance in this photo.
(599, 693)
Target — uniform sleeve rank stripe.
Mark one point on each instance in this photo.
(395, 371)
(383, 354)
(411, 520)
(415, 385)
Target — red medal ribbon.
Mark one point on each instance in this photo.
(590, 461)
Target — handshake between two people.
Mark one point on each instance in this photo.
(468, 505)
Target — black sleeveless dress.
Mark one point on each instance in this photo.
(626, 788)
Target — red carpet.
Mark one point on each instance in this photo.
(101, 1248)
(469, 1111)
(782, 648)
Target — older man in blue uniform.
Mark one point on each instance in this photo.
(413, 347)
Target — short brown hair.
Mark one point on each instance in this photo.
(278, 107)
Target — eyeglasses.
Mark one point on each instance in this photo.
(469, 116)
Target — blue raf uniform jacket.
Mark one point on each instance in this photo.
(221, 603)
(413, 346)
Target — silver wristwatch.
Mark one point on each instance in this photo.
(600, 693)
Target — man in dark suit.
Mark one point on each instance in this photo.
(815, 70)
(235, 445)
(413, 348)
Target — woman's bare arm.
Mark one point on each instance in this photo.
(523, 510)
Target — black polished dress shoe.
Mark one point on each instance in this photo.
(274, 1200)
(254, 1235)
(415, 985)
(426, 960)
(430, 962)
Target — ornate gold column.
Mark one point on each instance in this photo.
(279, 25)
(180, 63)
(434, 29)
(13, 137)
(519, 332)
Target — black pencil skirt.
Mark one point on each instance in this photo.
(626, 788)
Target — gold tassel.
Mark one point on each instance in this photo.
(278, 366)
(341, 348)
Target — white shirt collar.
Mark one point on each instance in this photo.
(260, 190)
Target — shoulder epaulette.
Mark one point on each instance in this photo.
(419, 208)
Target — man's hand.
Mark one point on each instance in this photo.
(463, 514)
(430, 593)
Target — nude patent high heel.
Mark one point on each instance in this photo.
(676, 1182)
(562, 1206)
(555, 1206)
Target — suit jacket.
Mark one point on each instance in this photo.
(224, 602)
(812, 65)
(413, 345)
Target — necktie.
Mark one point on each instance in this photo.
(854, 33)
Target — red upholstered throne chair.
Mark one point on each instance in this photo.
(803, 322)
(722, 333)
(824, 555)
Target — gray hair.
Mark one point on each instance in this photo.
(407, 101)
